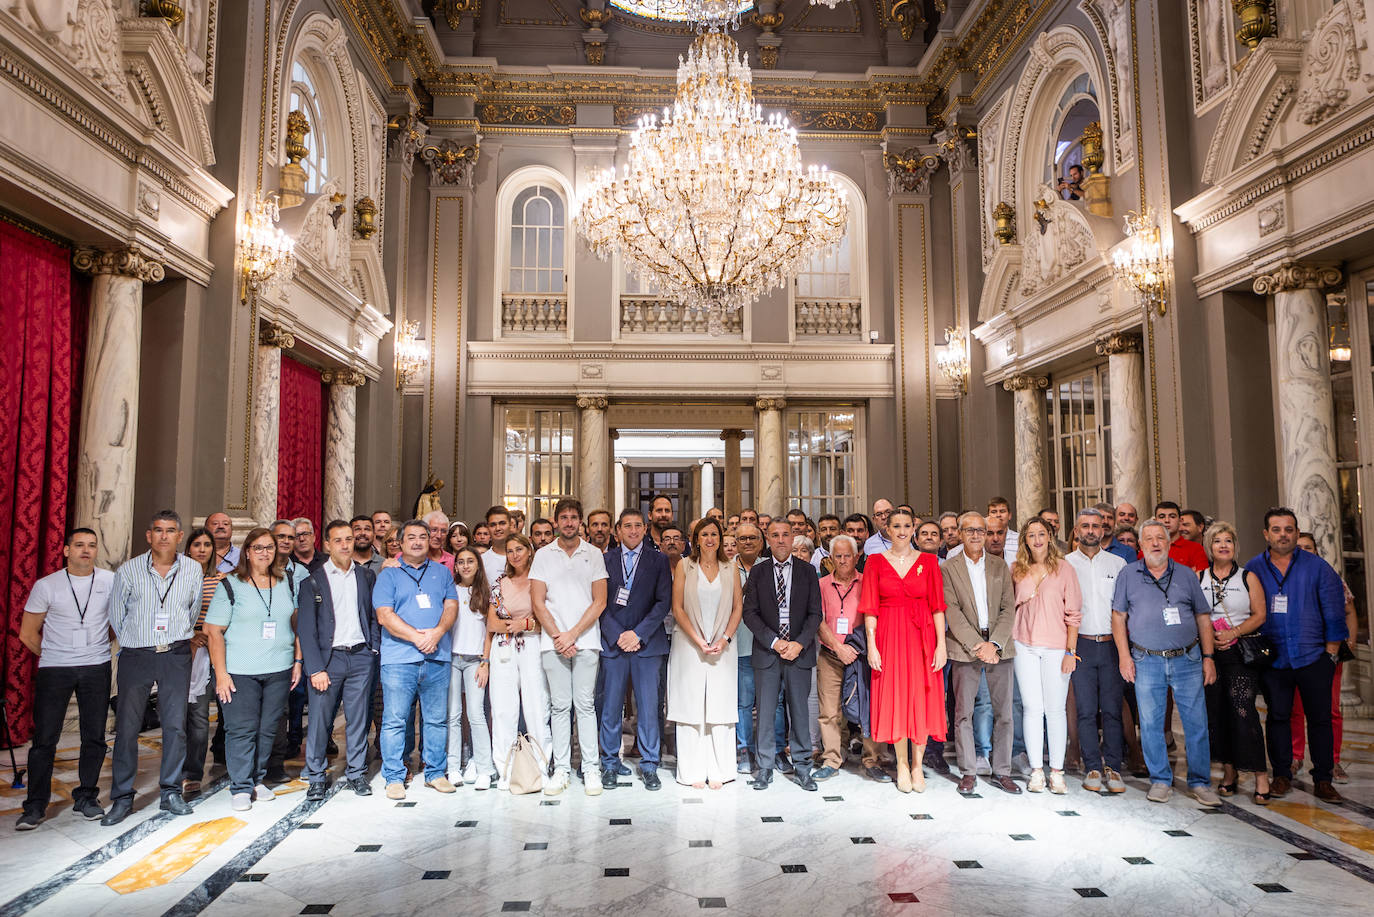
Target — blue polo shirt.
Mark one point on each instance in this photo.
(407, 590)
(1316, 607)
(1129, 555)
(1146, 603)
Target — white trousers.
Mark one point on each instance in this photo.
(705, 753)
(1044, 701)
(517, 684)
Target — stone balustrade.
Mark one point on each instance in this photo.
(829, 318)
(543, 313)
(654, 315)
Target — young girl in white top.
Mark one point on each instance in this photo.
(471, 667)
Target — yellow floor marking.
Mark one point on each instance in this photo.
(295, 786)
(1327, 822)
(176, 856)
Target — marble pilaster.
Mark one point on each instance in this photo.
(768, 457)
(109, 405)
(1302, 372)
(341, 441)
(1028, 419)
(733, 496)
(707, 493)
(592, 452)
(1130, 433)
(262, 495)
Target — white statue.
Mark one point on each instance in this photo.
(1119, 37)
(1214, 28)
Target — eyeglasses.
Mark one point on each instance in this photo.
(977, 533)
(263, 549)
(882, 514)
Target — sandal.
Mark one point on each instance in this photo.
(1262, 799)
(1227, 789)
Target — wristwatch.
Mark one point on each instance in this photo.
(1335, 657)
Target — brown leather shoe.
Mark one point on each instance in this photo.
(1005, 783)
(1326, 792)
(966, 784)
(1280, 787)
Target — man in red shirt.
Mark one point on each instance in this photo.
(1181, 550)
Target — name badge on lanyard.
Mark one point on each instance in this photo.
(1280, 604)
(622, 596)
(269, 630)
(1171, 616)
(422, 600)
(841, 626)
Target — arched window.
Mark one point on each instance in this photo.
(306, 100)
(1077, 108)
(836, 273)
(537, 230)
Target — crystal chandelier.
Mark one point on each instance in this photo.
(411, 354)
(265, 252)
(828, 4)
(1145, 260)
(952, 361)
(713, 206)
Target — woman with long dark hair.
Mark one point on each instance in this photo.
(517, 676)
(467, 687)
(200, 547)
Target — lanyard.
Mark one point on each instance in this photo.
(628, 573)
(1168, 580)
(266, 600)
(81, 609)
(162, 596)
(843, 595)
(1281, 580)
(1219, 586)
(417, 580)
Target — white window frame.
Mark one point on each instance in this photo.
(857, 231)
(841, 504)
(511, 187)
(525, 500)
(1069, 497)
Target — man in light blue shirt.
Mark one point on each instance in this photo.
(416, 604)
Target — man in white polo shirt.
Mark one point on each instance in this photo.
(568, 592)
(67, 626)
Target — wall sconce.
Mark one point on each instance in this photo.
(1145, 261)
(411, 355)
(365, 218)
(265, 252)
(1339, 339)
(953, 359)
(1005, 229)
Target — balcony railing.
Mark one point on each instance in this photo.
(829, 318)
(653, 315)
(543, 313)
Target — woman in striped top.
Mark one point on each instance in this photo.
(200, 547)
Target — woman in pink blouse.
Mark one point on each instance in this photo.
(1048, 610)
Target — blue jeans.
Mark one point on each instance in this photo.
(402, 683)
(1154, 676)
(744, 729)
(982, 720)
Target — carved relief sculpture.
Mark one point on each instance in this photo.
(408, 133)
(85, 32)
(1060, 242)
(450, 162)
(1330, 63)
(1215, 73)
(1119, 36)
(910, 172)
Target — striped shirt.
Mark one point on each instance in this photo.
(141, 595)
(207, 592)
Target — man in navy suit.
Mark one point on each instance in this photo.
(782, 609)
(339, 637)
(634, 645)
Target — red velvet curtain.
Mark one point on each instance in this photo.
(42, 372)
(300, 448)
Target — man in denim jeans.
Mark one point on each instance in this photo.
(416, 604)
(1161, 623)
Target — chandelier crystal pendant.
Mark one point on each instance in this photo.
(265, 252)
(412, 356)
(1145, 261)
(713, 206)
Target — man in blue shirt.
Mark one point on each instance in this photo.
(1305, 620)
(416, 604)
(1162, 627)
(634, 645)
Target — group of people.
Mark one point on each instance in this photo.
(763, 641)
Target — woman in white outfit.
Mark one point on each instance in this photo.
(703, 687)
(470, 673)
(517, 678)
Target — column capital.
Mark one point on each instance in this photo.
(1023, 381)
(350, 377)
(592, 403)
(770, 404)
(451, 162)
(129, 261)
(1297, 276)
(1119, 342)
(727, 435)
(275, 335)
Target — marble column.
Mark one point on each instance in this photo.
(341, 442)
(109, 400)
(1130, 433)
(592, 452)
(1302, 373)
(1028, 416)
(733, 497)
(768, 457)
(262, 496)
(707, 496)
(620, 476)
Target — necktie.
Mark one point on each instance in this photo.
(784, 619)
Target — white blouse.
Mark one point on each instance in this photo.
(470, 630)
(1229, 596)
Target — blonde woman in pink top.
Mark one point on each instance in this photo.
(1049, 607)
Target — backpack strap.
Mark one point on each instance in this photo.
(228, 590)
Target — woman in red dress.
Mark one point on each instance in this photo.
(903, 601)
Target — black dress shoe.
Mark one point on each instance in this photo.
(609, 780)
(317, 791)
(276, 776)
(332, 748)
(823, 773)
(1006, 784)
(361, 786)
(784, 764)
(120, 809)
(173, 803)
(89, 809)
(878, 774)
(651, 781)
(623, 770)
(746, 763)
(804, 780)
(937, 763)
(763, 781)
(966, 784)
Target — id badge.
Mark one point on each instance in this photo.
(841, 626)
(1171, 616)
(622, 596)
(269, 630)
(422, 600)
(1280, 604)
(161, 624)
(81, 637)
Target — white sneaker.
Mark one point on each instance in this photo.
(1159, 792)
(503, 784)
(1021, 763)
(981, 767)
(263, 793)
(558, 782)
(469, 773)
(242, 802)
(456, 778)
(591, 783)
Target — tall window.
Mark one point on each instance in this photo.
(536, 241)
(822, 461)
(830, 275)
(1080, 455)
(305, 99)
(539, 459)
(675, 485)
(1076, 109)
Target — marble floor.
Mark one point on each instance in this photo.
(855, 847)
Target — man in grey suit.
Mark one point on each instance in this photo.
(782, 609)
(339, 637)
(980, 607)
